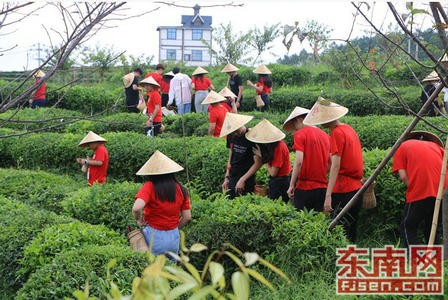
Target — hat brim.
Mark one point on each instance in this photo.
(425, 136)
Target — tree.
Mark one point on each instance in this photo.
(317, 35)
(291, 32)
(229, 47)
(262, 40)
(102, 58)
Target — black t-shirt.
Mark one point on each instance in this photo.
(235, 82)
(131, 95)
(242, 156)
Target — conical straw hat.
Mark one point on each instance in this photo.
(213, 97)
(170, 73)
(159, 164)
(298, 111)
(229, 68)
(444, 58)
(324, 111)
(226, 92)
(265, 133)
(198, 71)
(91, 137)
(128, 79)
(39, 74)
(433, 76)
(262, 69)
(424, 136)
(149, 80)
(233, 122)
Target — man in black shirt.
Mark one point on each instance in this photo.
(431, 81)
(242, 164)
(235, 83)
(131, 89)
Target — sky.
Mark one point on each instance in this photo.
(138, 36)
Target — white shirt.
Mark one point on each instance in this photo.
(180, 89)
(445, 94)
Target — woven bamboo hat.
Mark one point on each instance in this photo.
(170, 73)
(149, 80)
(39, 74)
(324, 111)
(213, 97)
(198, 71)
(424, 136)
(265, 133)
(91, 137)
(128, 79)
(233, 122)
(229, 68)
(262, 69)
(444, 58)
(298, 111)
(159, 164)
(226, 92)
(433, 76)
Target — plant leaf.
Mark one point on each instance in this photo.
(181, 289)
(251, 258)
(240, 285)
(202, 293)
(216, 271)
(260, 278)
(198, 247)
(273, 268)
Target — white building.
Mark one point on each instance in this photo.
(184, 43)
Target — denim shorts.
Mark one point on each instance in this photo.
(161, 241)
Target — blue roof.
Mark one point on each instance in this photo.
(188, 21)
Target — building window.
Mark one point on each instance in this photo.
(171, 54)
(196, 55)
(197, 34)
(171, 33)
(187, 57)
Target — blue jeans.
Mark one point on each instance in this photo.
(184, 108)
(161, 241)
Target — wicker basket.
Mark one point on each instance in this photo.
(369, 198)
(137, 241)
(261, 190)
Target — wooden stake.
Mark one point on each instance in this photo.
(435, 217)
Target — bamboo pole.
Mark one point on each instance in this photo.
(435, 216)
(391, 153)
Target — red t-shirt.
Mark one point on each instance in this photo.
(165, 87)
(40, 92)
(98, 173)
(344, 142)
(201, 84)
(422, 162)
(266, 89)
(162, 215)
(281, 159)
(153, 100)
(217, 115)
(315, 145)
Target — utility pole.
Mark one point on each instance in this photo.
(38, 50)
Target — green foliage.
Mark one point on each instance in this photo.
(102, 58)
(270, 228)
(108, 204)
(75, 269)
(64, 237)
(36, 188)
(19, 223)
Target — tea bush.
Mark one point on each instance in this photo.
(69, 271)
(64, 237)
(108, 204)
(19, 223)
(37, 188)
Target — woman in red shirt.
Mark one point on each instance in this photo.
(153, 106)
(201, 85)
(39, 98)
(98, 163)
(165, 87)
(273, 152)
(217, 112)
(263, 86)
(162, 205)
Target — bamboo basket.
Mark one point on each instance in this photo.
(261, 190)
(137, 241)
(369, 198)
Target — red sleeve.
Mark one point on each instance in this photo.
(278, 156)
(144, 192)
(299, 141)
(157, 99)
(186, 203)
(208, 81)
(213, 116)
(193, 80)
(100, 154)
(399, 160)
(337, 141)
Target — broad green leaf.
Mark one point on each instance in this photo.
(251, 258)
(273, 268)
(181, 274)
(240, 285)
(174, 255)
(209, 259)
(183, 248)
(260, 278)
(198, 247)
(235, 249)
(184, 258)
(181, 289)
(112, 263)
(193, 271)
(235, 259)
(164, 285)
(155, 268)
(216, 271)
(202, 293)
